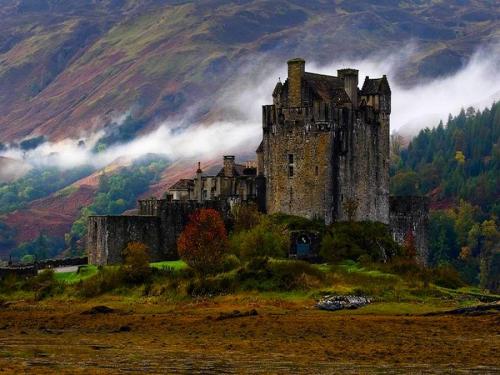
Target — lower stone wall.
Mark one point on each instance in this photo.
(109, 235)
(21, 271)
(158, 226)
(411, 214)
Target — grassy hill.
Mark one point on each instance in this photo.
(70, 66)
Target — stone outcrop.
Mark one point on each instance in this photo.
(333, 303)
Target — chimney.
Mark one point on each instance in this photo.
(199, 184)
(350, 77)
(296, 69)
(228, 165)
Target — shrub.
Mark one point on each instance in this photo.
(447, 276)
(203, 242)
(230, 262)
(264, 274)
(136, 264)
(44, 285)
(298, 223)
(246, 216)
(106, 280)
(350, 240)
(207, 286)
(265, 239)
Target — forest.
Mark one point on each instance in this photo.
(457, 165)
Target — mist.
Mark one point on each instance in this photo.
(237, 125)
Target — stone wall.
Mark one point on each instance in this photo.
(297, 166)
(158, 226)
(109, 235)
(173, 217)
(411, 214)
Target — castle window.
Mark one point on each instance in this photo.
(316, 170)
(290, 158)
(290, 165)
(290, 171)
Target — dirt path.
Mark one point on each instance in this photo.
(282, 338)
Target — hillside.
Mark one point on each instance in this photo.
(70, 67)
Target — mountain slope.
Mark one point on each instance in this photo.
(70, 67)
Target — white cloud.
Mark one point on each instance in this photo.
(238, 106)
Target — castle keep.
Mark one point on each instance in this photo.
(326, 145)
(324, 155)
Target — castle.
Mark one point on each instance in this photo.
(324, 155)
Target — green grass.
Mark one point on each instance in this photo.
(74, 277)
(173, 264)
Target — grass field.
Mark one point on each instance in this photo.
(74, 277)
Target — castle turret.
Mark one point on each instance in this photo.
(199, 184)
(350, 78)
(296, 70)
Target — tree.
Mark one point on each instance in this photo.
(246, 216)
(267, 238)
(136, 262)
(203, 242)
(409, 246)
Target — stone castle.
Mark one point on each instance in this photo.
(324, 155)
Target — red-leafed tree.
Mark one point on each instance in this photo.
(409, 245)
(203, 242)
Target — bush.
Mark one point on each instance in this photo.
(203, 242)
(230, 262)
(351, 240)
(246, 216)
(448, 277)
(207, 286)
(106, 280)
(136, 265)
(265, 239)
(298, 223)
(263, 274)
(44, 285)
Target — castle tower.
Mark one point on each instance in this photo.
(325, 146)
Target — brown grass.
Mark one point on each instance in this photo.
(285, 337)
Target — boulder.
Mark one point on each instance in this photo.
(333, 303)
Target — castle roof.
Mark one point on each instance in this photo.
(328, 88)
(260, 148)
(373, 86)
(182, 184)
(240, 170)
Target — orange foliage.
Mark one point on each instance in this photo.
(409, 246)
(203, 242)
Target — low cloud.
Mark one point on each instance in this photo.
(237, 109)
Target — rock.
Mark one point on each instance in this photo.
(125, 329)
(471, 310)
(236, 314)
(98, 310)
(333, 303)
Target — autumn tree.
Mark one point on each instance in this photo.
(409, 246)
(203, 242)
(136, 262)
